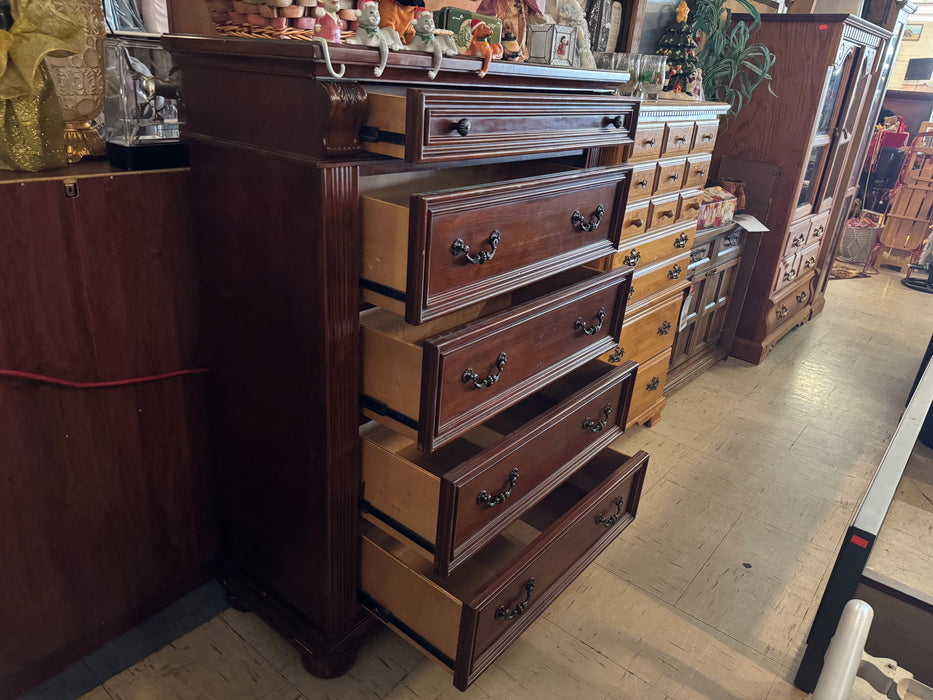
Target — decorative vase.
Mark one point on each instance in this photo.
(80, 84)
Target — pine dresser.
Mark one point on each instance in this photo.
(411, 421)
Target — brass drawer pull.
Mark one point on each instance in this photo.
(631, 259)
(614, 518)
(701, 172)
(682, 240)
(810, 263)
(643, 184)
(707, 137)
(675, 271)
(615, 357)
(802, 297)
(789, 275)
(459, 247)
(680, 139)
(697, 254)
(616, 122)
(463, 127)
(653, 384)
(580, 324)
(798, 240)
(664, 328)
(580, 223)
(485, 499)
(637, 223)
(782, 312)
(674, 178)
(818, 231)
(503, 613)
(650, 142)
(731, 240)
(593, 426)
(470, 376)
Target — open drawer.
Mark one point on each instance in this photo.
(483, 231)
(433, 382)
(430, 126)
(467, 619)
(454, 501)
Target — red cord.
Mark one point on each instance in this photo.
(98, 385)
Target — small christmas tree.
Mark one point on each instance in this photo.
(679, 45)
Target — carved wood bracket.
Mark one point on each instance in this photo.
(339, 116)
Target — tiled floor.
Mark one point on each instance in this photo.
(754, 475)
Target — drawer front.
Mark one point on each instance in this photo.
(670, 175)
(789, 304)
(649, 140)
(689, 207)
(448, 125)
(788, 270)
(468, 630)
(663, 211)
(697, 171)
(704, 138)
(485, 366)
(643, 179)
(678, 138)
(728, 246)
(659, 278)
(468, 245)
(649, 332)
(797, 237)
(809, 257)
(649, 387)
(817, 230)
(634, 223)
(654, 247)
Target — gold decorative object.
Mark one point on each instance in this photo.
(79, 82)
(30, 116)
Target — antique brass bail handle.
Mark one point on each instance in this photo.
(664, 328)
(681, 240)
(675, 271)
(485, 499)
(601, 519)
(580, 324)
(631, 259)
(460, 248)
(582, 224)
(653, 384)
(503, 613)
(470, 376)
(593, 426)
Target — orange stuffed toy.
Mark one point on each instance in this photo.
(398, 15)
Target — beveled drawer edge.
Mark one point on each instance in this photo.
(624, 375)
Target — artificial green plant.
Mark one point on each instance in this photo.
(732, 67)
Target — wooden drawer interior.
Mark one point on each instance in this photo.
(649, 388)
(452, 502)
(467, 619)
(670, 175)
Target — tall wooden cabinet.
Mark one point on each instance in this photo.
(795, 153)
(411, 252)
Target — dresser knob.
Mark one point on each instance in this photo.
(642, 184)
(674, 178)
(707, 137)
(701, 172)
(503, 613)
(681, 240)
(664, 328)
(616, 122)
(666, 214)
(675, 271)
(460, 248)
(680, 139)
(651, 142)
(484, 499)
(653, 384)
(583, 225)
(580, 324)
(470, 376)
(637, 223)
(463, 127)
(631, 259)
(593, 426)
(614, 518)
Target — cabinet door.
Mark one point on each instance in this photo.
(706, 312)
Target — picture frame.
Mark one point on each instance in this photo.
(912, 32)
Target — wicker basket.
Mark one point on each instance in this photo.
(856, 243)
(268, 19)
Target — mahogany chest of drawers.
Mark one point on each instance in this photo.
(410, 410)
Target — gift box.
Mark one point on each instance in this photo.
(716, 208)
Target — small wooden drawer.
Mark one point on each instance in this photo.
(797, 237)
(670, 175)
(644, 177)
(635, 222)
(649, 387)
(457, 499)
(789, 304)
(704, 138)
(728, 246)
(663, 211)
(647, 332)
(426, 254)
(689, 208)
(701, 255)
(809, 257)
(787, 272)
(817, 231)
(432, 126)
(697, 170)
(649, 139)
(435, 383)
(653, 247)
(678, 138)
(467, 619)
(658, 278)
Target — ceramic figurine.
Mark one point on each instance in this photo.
(480, 46)
(424, 40)
(517, 14)
(368, 34)
(511, 49)
(397, 16)
(572, 15)
(328, 23)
